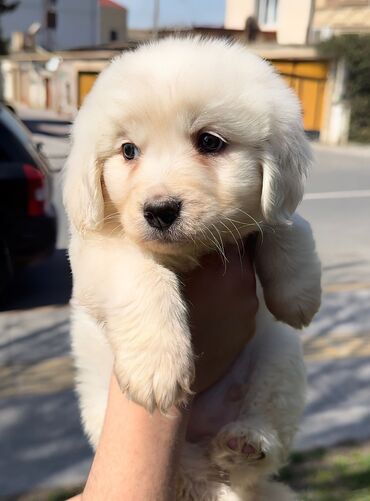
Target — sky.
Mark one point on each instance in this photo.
(175, 12)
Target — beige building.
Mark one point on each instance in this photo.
(113, 22)
(283, 21)
(335, 17)
(298, 22)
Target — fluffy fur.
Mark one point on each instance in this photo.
(128, 310)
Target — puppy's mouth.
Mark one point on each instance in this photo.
(172, 235)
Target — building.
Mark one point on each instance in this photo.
(299, 22)
(281, 31)
(113, 22)
(282, 21)
(65, 24)
(337, 17)
(320, 84)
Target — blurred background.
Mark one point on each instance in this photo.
(51, 53)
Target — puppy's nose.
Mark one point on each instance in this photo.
(161, 214)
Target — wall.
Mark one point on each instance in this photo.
(337, 111)
(65, 84)
(112, 18)
(77, 22)
(293, 20)
(20, 19)
(237, 12)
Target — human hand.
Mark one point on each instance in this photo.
(222, 305)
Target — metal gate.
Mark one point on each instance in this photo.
(308, 79)
(86, 80)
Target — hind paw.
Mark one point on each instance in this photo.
(236, 446)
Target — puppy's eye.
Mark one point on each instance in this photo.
(130, 151)
(210, 143)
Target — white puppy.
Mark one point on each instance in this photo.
(181, 146)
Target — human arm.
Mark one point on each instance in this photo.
(137, 454)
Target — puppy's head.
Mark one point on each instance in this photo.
(186, 141)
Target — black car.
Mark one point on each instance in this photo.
(27, 216)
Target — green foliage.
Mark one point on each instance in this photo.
(331, 475)
(355, 49)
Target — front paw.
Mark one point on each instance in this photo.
(155, 382)
(295, 308)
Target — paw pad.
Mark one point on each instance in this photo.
(240, 446)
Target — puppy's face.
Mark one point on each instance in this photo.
(178, 174)
(185, 138)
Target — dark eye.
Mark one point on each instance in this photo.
(210, 143)
(130, 151)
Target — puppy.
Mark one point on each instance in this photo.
(181, 146)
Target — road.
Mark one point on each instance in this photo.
(337, 344)
(41, 438)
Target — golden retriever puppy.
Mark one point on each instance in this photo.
(181, 146)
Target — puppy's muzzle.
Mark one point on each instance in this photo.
(162, 213)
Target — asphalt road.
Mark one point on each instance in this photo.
(41, 438)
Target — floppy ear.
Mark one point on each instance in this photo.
(82, 193)
(284, 163)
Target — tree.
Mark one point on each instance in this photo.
(355, 49)
(5, 7)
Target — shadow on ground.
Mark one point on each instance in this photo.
(41, 439)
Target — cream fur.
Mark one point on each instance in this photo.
(128, 312)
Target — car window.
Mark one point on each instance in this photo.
(11, 148)
(15, 126)
(16, 141)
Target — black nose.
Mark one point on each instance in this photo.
(161, 214)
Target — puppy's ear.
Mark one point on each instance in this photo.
(82, 194)
(284, 164)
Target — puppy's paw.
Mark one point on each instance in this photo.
(237, 444)
(155, 382)
(295, 308)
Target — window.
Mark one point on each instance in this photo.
(113, 36)
(51, 19)
(267, 13)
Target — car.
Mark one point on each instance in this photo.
(8, 105)
(28, 223)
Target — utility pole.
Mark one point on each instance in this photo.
(156, 13)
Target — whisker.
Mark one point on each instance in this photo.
(221, 248)
(254, 220)
(241, 255)
(235, 240)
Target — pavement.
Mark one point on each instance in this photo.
(42, 444)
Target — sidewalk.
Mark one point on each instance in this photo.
(42, 443)
(337, 353)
